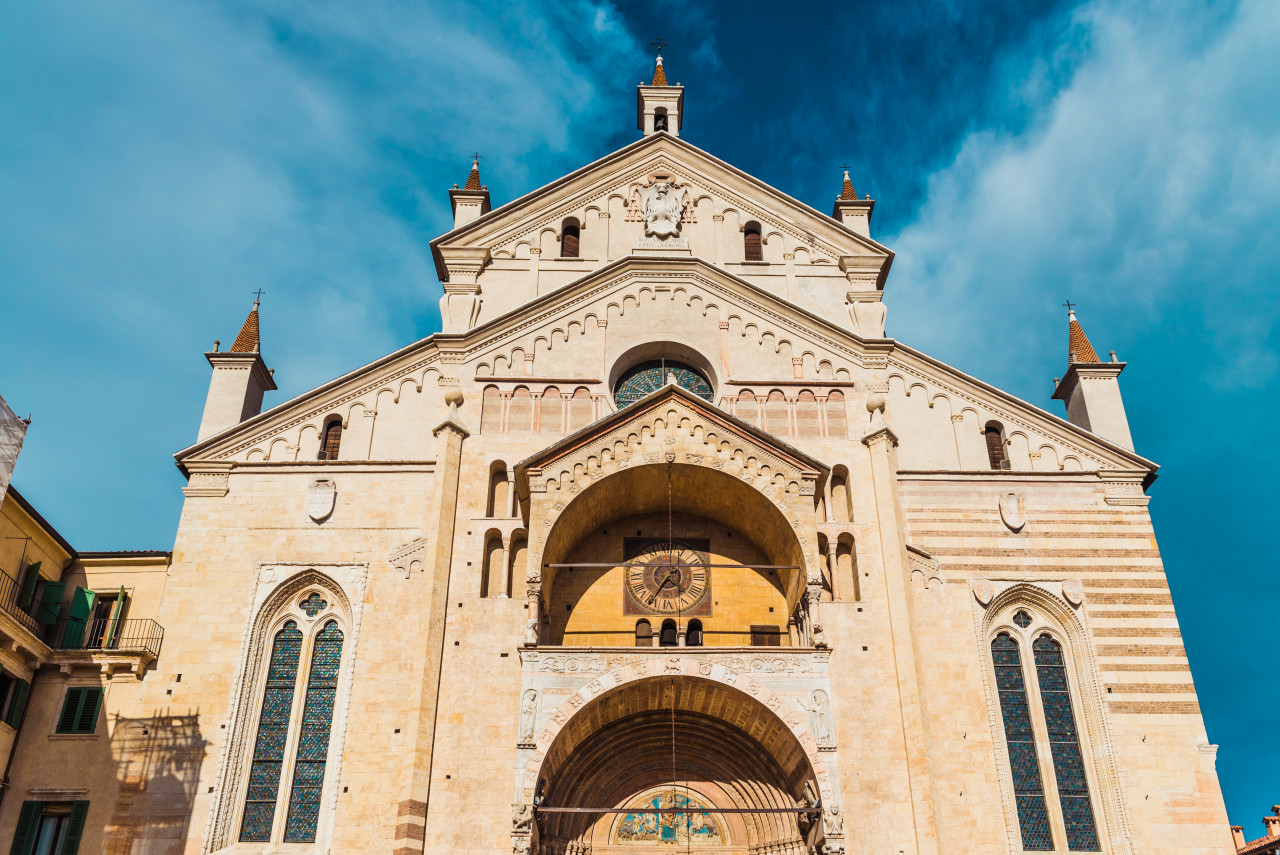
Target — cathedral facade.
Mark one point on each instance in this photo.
(659, 544)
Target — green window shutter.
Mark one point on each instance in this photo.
(28, 821)
(87, 720)
(18, 703)
(29, 581)
(50, 602)
(81, 606)
(71, 710)
(117, 612)
(75, 828)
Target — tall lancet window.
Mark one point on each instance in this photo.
(273, 732)
(291, 751)
(1064, 744)
(1028, 789)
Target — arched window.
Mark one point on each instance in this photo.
(751, 245)
(651, 375)
(1045, 756)
(836, 421)
(550, 412)
(669, 637)
(569, 237)
(840, 495)
(807, 418)
(644, 633)
(994, 435)
(499, 501)
(331, 439)
(693, 634)
(660, 119)
(293, 729)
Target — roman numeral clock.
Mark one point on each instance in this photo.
(667, 578)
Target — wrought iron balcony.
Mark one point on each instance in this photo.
(136, 636)
(24, 608)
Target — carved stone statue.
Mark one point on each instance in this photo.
(662, 206)
(528, 715)
(531, 632)
(521, 819)
(819, 718)
(832, 822)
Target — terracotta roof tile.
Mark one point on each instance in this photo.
(1078, 347)
(247, 341)
(1262, 845)
(659, 74)
(847, 192)
(473, 179)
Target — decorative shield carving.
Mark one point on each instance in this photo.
(1073, 592)
(983, 591)
(321, 497)
(1013, 511)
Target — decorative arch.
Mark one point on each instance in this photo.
(282, 594)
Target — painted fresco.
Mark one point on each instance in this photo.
(688, 827)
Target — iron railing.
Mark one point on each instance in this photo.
(136, 635)
(25, 609)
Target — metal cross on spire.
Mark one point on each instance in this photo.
(1070, 305)
(475, 159)
(658, 44)
(845, 167)
(257, 295)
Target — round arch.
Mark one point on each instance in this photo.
(733, 749)
(695, 490)
(656, 350)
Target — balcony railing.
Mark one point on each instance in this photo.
(24, 608)
(137, 635)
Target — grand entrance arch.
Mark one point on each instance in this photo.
(684, 752)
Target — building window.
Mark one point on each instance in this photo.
(331, 440)
(660, 122)
(569, 239)
(752, 248)
(13, 698)
(644, 633)
(1045, 756)
(669, 637)
(294, 727)
(650, 376)
(80, 710)
(313, 742)
(1028, 789)
(693, 634)
(1064, 746)
(994, 435)
(273, 732)
(50, 828)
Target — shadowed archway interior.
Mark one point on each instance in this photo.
(730, 751)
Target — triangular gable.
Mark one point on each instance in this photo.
(767, 453)
(521, 218)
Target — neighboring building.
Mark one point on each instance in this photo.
(1267, 844)
(12, 431)
(660, 544)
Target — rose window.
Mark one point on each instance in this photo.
(650, 376)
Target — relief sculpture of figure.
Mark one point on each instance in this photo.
(528, 713)
(662, 206)
(521, 818)
(819, 717)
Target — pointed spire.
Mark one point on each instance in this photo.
(247, 341)
(659, 74)
(473, 179)
(847, 192)
(1078, 347)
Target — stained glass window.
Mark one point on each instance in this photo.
(1028, 789)
(650, 376)
(273, 731)
(1022, 619)
(313, 604)
(313, 740)
(1064, 745)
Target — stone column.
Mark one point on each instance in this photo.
(882, 446)
(439, 525)
(512, 504)
(717, 229)
(535, 258)
(833, 568)
(533, 598)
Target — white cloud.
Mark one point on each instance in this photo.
(1139, 191)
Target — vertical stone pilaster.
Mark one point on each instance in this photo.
(882, 447)
(440, 522)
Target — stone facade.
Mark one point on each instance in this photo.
(462, 514)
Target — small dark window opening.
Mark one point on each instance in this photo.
(332, 439)
(693, 634)
(644, 633)
(660, 120)
(669, 636)
(764, 635)
(751, 243)
(569, 239)
(994, 434)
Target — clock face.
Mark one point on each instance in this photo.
(668, 580)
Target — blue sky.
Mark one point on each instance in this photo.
(160, 161)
